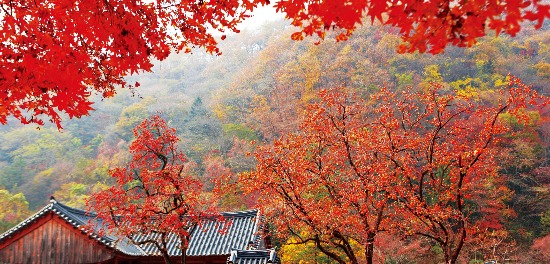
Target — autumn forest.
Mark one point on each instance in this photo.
(356, 146)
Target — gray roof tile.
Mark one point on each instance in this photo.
(212, 237)
(215, 237)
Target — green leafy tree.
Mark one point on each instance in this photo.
(13, 209)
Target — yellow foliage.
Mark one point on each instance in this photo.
(345, 51)
(431, 74)
(13, 209)
(543, 69)
(500, 81)
(307, 253)
(466, 87)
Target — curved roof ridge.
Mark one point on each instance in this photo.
(72, 209)
(28, 220)
(245, 213)
(65, 212)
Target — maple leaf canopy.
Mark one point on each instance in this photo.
(57, 53)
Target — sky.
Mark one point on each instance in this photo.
(260, 16)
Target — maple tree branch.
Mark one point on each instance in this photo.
(349, 157)
(461, 240)
(444, 171)
(416, 214)
(432, 223)
(430, 236)
(150, 240)
(326, 181)
(10, 13)
(491, 136)
(113, 217)
(290, 198)
(379, 217)
(142, 184)
(327, 252)
(159, 154)
(344, 245)
(431, 149)
(301, 242)
(296, 204)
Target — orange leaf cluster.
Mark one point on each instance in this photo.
(415, 163)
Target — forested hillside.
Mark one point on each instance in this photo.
(223, 107)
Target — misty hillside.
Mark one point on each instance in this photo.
(255, 92)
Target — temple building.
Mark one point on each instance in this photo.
(56, 234)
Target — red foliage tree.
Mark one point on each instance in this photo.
(541, 248)
(154, 198)
(418, 163)
(424, 25)
(327, 184)
(443, 147)
(55, 54)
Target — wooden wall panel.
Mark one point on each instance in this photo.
(51, 240)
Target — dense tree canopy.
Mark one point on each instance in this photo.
(56, 54)
(419, 163)
(425, 25)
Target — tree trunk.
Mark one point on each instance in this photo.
(183, 255)
(329, 254)
(369, 251)
(454, 253)
(447, 255)
(166, 257)
(184, 240)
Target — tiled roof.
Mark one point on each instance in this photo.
(79, 219)
(212, 237)
(261, 256)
